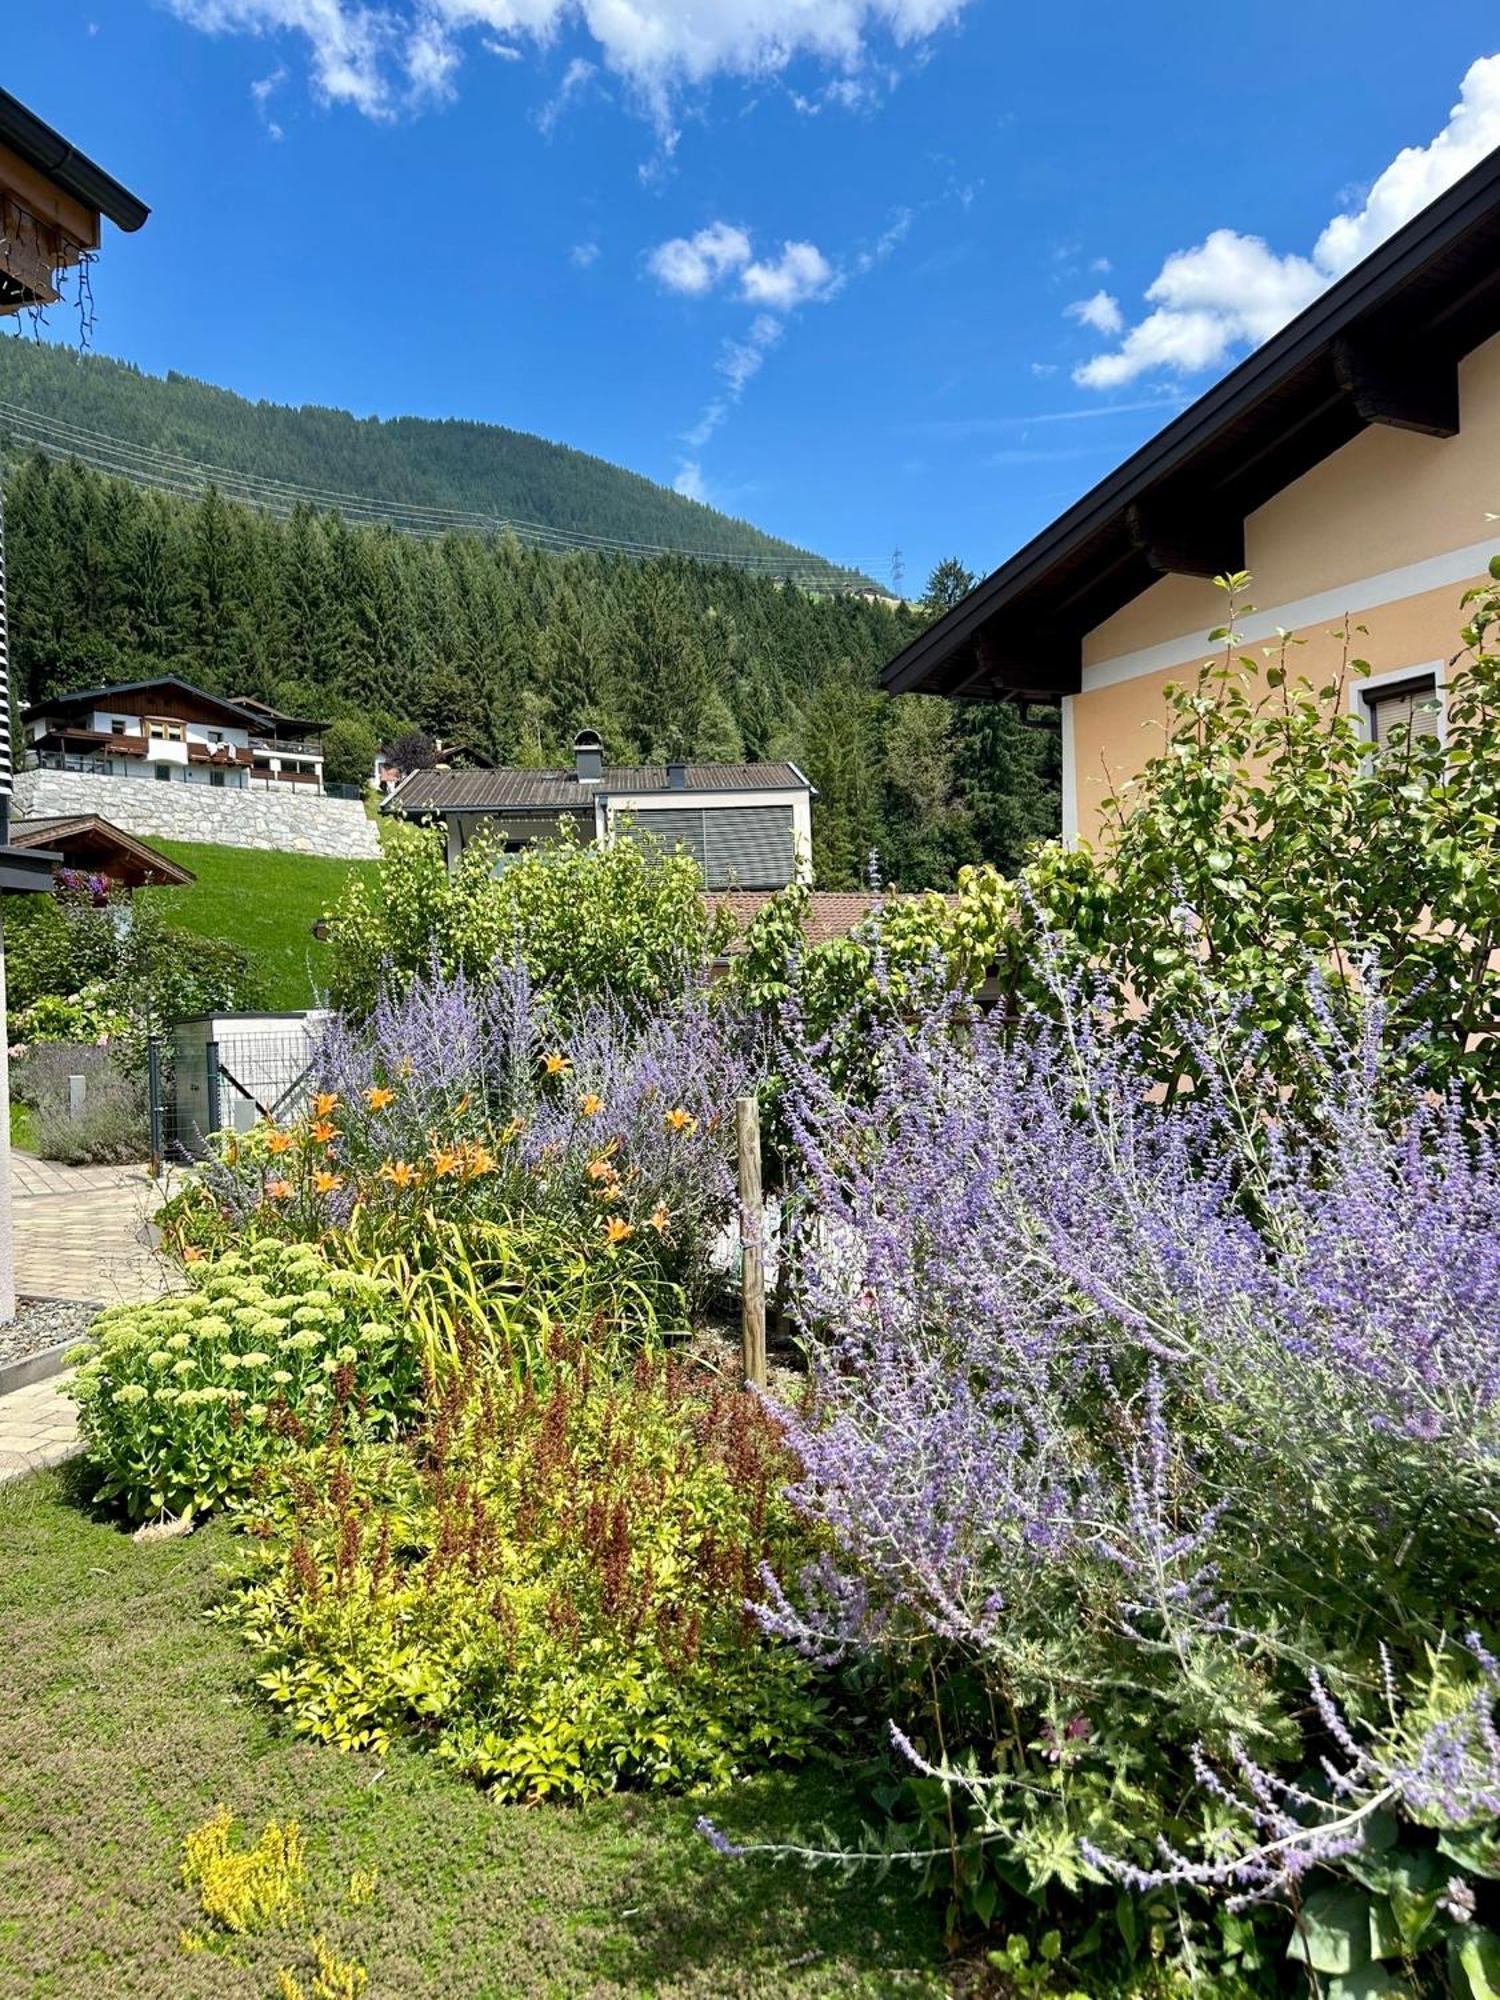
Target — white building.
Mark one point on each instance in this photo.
(167, 731)
(748, 826)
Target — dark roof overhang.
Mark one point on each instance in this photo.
(61, 161)
(1382, 346)
(51, 154)
(77, 698)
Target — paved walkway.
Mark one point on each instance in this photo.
(81, 1233)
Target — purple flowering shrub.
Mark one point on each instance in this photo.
(1154, 1451)
(474, 1103)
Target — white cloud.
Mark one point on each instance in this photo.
(584, 254)
(262, 91)
(695, 264)
(1232, 291)
(722, 255)
(739, 360)
(576, 77)
(385, 56)
(351, 45)
(800, 274)
(504, 50)
(1101, 312)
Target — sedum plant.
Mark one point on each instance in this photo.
(184, 1400)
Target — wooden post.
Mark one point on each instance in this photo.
(753, 1242)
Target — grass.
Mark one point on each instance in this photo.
(22, 1126)
(126, 1718)
(266, 902)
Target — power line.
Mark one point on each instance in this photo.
(174, 472)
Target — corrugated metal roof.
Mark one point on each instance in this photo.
(513, 790)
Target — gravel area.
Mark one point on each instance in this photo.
(43, 1323)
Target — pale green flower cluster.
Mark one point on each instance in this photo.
(181, 1398)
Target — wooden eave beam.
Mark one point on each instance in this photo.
(1019, 664)
(1176, 540)
(1394, 383)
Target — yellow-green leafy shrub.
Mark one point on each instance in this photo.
(549, 1587)
(183, 1399)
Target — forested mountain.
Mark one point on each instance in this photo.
(512, 649)
(148, 426)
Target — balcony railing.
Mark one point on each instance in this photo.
(237, 778)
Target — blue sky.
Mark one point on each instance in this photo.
(872, 273)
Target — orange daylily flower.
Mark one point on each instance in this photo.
(616, 1229)
(278, 1190)
(400, 1173)
(555, 1063)
(591, 1104)
(280, 1142)
(659, 1219)
(192, 1254)
(325, 1183)
(600, 1170)
(477, 1160)
(446, 1160)
(378, 1097)
(325, 1103)
(679, 1120)
(323, 1130)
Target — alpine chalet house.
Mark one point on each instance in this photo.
(1351, 465)
(168, 731)
(748, 826)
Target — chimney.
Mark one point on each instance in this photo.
(677, 777)
(588, 757)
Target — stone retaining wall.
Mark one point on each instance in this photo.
(289, 821)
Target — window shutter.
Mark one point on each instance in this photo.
(749, 847)
(676, 827)
(1410, 711)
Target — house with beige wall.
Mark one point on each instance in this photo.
(1351, 465)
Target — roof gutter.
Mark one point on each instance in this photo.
(73, 171)
(1330, 314)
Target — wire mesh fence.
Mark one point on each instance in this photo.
(214, 1075)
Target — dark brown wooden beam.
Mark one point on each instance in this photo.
(1181, 541)
(1391, 383)
(1020, 664)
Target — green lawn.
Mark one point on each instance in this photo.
(266, 902)
(125, 1718)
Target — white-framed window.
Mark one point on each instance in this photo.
(161, 729)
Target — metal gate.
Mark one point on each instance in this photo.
(225, 1073)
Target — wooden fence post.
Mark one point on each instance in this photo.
(753, 1242)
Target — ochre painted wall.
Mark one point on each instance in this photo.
(1364, 522)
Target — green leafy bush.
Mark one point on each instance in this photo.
(1268, 836)
(624, 921)
(550, 1586)
(182, 1401)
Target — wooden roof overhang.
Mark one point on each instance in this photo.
(88, 842)
(1382, 346)
(52, 200)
